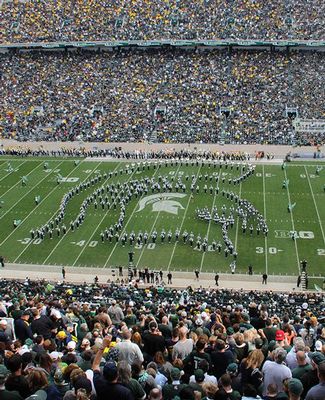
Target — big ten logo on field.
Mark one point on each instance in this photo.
(282, 234)
(163, 202)
(69, 180)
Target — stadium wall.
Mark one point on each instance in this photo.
(276, 150)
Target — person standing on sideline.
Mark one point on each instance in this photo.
(264, 278)
(233, 266)
(2, 261)
(169, 278)
(250, 269)
(197, 274)
(63, 273)
(216, 278)
(298, 280)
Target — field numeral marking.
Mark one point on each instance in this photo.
(150, 246)
(271, 250)
(267, 175)
(70, 180)
(179, 173)
(81, 243)
(27, 241)
(321, 252)
(312, 176)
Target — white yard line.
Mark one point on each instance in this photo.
(209, 225)
(19, 181)
(182, 223)
(4, 177)
(265, 237)
(125, 226)
(69, 229)
(293, 224)
(38, 206)
(316, 208)
(46, 176)
(153, 225)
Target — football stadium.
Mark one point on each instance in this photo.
(162, 200)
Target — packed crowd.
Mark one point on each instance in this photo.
(28, 21)
(165, 95)
(62, 341)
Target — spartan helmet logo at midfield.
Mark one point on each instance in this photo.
(162, 202)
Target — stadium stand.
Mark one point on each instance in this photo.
(56, 338)
(28, 21)
(168, 96)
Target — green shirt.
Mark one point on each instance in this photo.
(300, 370)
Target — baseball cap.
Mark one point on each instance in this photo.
(71, 345)
(318, 345)
(199, 375)
(295, 386)
(58, 377)
(232, 368)
(272, 345)
(110, 371)
(55, 355)
(26, 312)
(279, 335)
(317, 357)
(230, 330)
(175, 374)
(199, 322)
(61, 335)
(3, 371)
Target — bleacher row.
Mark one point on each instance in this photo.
(161, 95)
(117, 341)
(29, 21)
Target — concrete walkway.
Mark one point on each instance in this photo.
(179, 280)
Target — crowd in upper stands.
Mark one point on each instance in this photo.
(161, 95)
(86, 20)
(119, 341)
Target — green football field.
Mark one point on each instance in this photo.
(277, 253)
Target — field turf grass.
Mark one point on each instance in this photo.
(275, 254)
